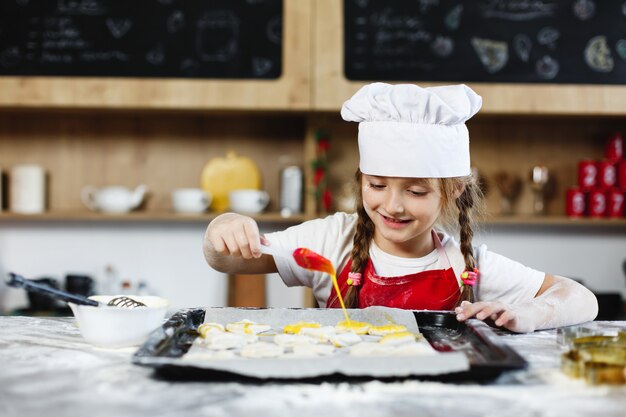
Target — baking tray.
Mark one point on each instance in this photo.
(487, 355)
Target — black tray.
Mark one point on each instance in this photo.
(488, 356)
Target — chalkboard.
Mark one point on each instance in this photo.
(509, 41)
(142, 38)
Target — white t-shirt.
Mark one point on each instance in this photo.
(501, 279)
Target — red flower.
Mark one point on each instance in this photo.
(323, 144)
(319, 176)
(327, 200)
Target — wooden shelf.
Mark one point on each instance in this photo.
(530, 220)
(139, 217)
(169, 217)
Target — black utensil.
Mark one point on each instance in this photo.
(42, 302)
(19, 281)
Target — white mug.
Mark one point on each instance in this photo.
(248, 201)
(190, 200)
(27, 189)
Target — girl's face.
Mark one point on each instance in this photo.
(403, 211)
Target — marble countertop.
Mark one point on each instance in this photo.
(47, 369)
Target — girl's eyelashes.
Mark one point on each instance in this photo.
(376, 186)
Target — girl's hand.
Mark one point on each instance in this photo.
(235, 235)
(503, 315)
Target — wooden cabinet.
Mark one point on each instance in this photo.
(161, 132)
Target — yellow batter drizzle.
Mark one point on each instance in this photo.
(296, 327)
(358, 327)
(386, 329)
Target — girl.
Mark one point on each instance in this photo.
(414, 174)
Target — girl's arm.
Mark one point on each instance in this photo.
(232, 245)
(559, 302)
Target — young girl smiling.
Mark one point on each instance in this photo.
(414, 183)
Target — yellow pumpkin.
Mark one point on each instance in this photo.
(222, 175)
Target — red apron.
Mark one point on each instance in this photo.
(436, 289)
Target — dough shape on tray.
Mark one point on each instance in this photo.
(247, 327)
(358, 327)
(395, 339)
(345, 339)
(311, 351)
(369, 349)
(225, 341)
(414, 349)
(297, 327)
(291, 340)
(207, 329)
(386, 329)
(322, 334)
(262, 350)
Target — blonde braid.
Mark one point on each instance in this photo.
(465, 204)
(361, 246)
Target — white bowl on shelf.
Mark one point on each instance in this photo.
(190, 200)
(117, 327)
(248, 201)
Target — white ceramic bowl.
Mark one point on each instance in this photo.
(248, 201)
(116, 327)
(190, 200)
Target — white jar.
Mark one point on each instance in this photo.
(27, 189)
(291, 184)
(1, 193)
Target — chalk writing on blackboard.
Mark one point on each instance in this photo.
(556, 41)
(142, 38)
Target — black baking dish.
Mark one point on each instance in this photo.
(488, 356)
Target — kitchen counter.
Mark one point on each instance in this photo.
(46, 369)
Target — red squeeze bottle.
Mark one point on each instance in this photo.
(308, 259)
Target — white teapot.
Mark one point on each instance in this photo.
(113, 199)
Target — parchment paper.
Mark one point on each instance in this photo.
(375, 366)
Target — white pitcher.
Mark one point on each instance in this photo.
(113, 199)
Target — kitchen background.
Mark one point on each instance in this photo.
(265, 80)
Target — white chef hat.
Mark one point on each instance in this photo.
(410, 131)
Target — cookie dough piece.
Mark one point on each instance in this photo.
(414, 349)
(345, 339)
(262, 350)
(297, 327)
(322, 334)
(225, 341)
(357, 327)
(386, 329)
(395, 339)
(369, 349)
(311, 351)
(291, 340)
(207, 329)
(247, 327)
